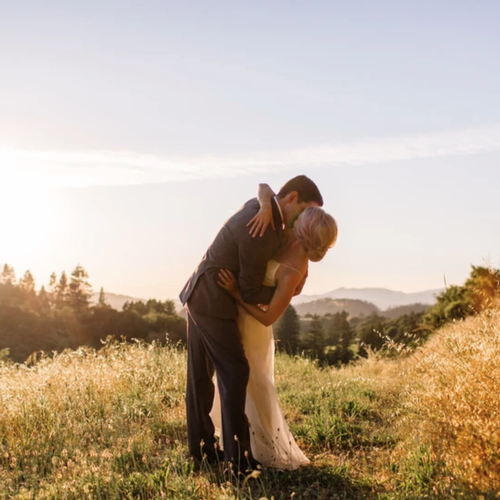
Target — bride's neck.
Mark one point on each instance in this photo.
(289, 237)
(292, 242)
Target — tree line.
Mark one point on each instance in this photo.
(62, 316)
(337, 339)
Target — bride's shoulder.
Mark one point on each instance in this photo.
(301, 265)
(294, 265)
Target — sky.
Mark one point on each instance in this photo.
(130, 131)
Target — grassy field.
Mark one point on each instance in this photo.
(111, 425)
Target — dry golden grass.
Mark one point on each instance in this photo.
(79, 422)
(111, 425)
(452, 399)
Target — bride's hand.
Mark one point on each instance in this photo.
(261, 221)
(229, 282)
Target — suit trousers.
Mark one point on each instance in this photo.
(215, 344)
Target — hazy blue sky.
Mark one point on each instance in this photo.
(129, 131)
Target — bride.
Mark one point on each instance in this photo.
(314, 232)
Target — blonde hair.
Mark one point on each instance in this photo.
(317, 231)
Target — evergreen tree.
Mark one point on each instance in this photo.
(288, 331)
(314, 340)
(61, 291)
(102, 302)
(8, 276)
(346, 334)
(80, 291)
(27, 282)
(52, 293)
(53, 283)
(333, 335)
(340, 338)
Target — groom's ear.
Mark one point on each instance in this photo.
(293, 197)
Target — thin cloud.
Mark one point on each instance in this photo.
(79, 169)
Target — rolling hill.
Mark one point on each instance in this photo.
(324, 306)
(383, 298)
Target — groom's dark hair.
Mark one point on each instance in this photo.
(308, 191)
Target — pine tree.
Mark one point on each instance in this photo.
(102, 303)
(52, 283)
(61, 291)
(346, 334)
(314, 340)
(27, 282)
(8, 276)
(52, 291)
(288, 331)
(80, 291)
(333, 335)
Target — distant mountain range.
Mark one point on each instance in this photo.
(383, 298)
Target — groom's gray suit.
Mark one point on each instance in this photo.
(214, 340)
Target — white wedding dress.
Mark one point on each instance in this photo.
(271, 441)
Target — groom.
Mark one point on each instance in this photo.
(214, 340)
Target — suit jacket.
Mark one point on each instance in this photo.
(234, 249)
